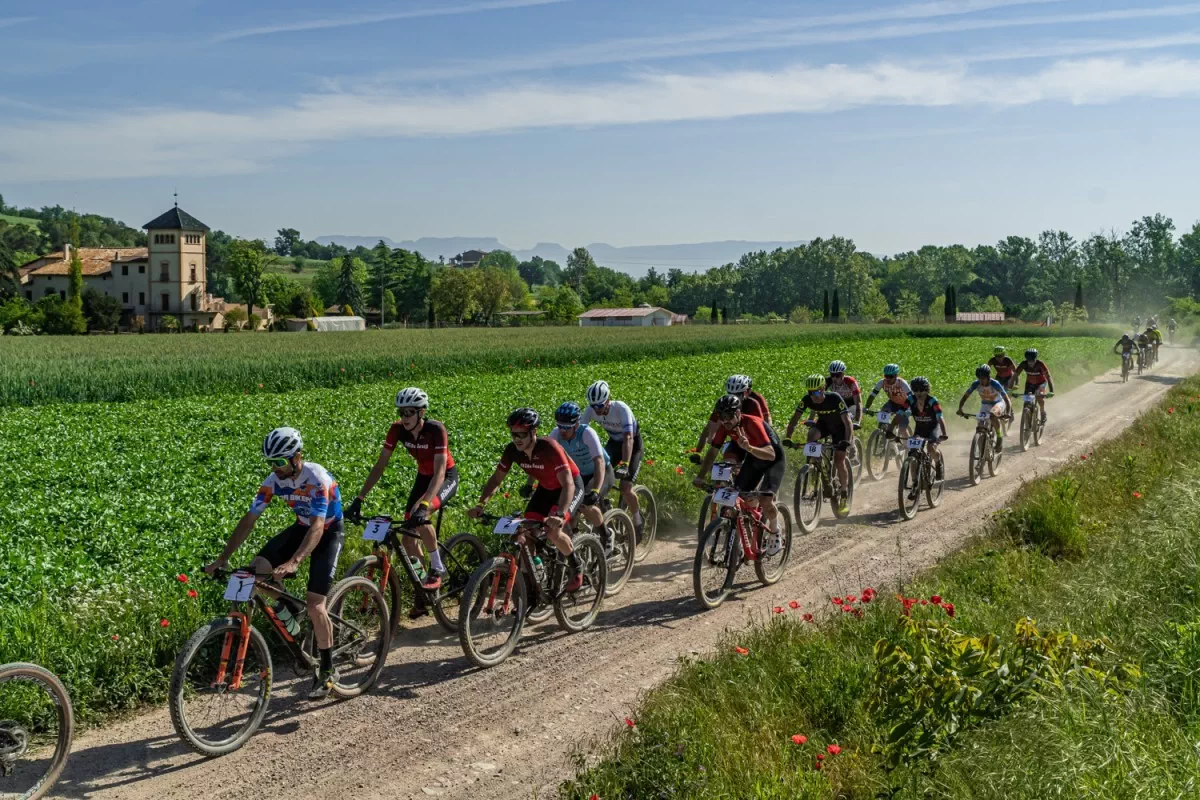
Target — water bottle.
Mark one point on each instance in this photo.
(539, 571)
(418, 568)
(287, 618)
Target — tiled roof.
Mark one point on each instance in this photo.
(597, 313)
(96, 260)
(175, 220)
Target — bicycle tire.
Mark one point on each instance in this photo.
(472, 608)
(937, 487)
(394, 593)
(1039, 429)
(648, 506)
(856, 457)
(595, 575)
(908, 474)
(459, 569)
(706, 514)
(975, 462)
(65, 714)
(721, 554)
(839, 511)
(219, 627)
(374, 657)
(1026, 428)
(620, 525)
(878, 455)
(778, 562)
(807, 483)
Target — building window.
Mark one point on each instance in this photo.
(124, 269)
(49, 291)
(164, 272)
(191, 238)
(193, 302)
(164, 238)
(166, 298)
(141, 269)
(141, 298)
(193, 273)
(125, 298)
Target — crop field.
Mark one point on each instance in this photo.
(109, 504)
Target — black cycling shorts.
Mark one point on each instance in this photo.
(615, 448)
(544, 502)
(1035, 388)
(928, 430)
(321, 563)
(421, 484)
(761, 476)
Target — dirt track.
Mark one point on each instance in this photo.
(437, 727)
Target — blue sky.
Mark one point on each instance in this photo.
(896, 124)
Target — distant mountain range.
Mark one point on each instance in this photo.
(634, 260)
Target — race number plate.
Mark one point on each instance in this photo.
(1028, 398)
(722, 472)
(884, 417)
(813, 449)
(915, 443)
(377, 528)
(240, 587)
(725, 497)
(507, 526)
(983, 416)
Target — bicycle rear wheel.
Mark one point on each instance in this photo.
(716, 562)
(36, 731)
(1039, 428)
(211, 715)
(624, 539)
(360, 641)
(488, 634)
(371, 568)
(1026, 427)
(648, 507)
(806, 498)
(856, 457)
(577, 610)
(770, 568)
(933, 493)
(997, 452)
(908, 488)
(461, 554)
(878, 454)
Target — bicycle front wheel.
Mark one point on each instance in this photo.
(769, 568)
(908, 488)
(489, 618)
(577, 610)
(1026, 428)
(371, 568)
(361, 640)
(212, 715)
(648, 507)
(975, 460)
(806, 498)
(716, 563)
(624, 552)
(936, 485)
(708, 512)
(878, 454)
(841, 506)
(35, 732)
(461, 554)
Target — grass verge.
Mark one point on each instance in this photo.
(1103, 556)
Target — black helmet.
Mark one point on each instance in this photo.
(523, 418)
(919, 384)
(983, 372)
(729, 404)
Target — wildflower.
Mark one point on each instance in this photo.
(1137, 495)
(260, 386)
(181, 578)
(847, 607)
(851, 598)
(741, 651)
(837, 601)
(793, 604)
(1083, 457)
(949, 608)
(573, 361)
(818, 765)
(343, 369)
(1171, 410)
(192, 593)
(506, 495)
(650, 462)
(115, 637)
(820, 756)
(808, 617)
(936, 599)
(799, 738)
(679, 470)
(163, 623)
(858, 612)
(412, 366)
(777, 609)
(594, 797)
(924, 602)
(629, 723)
(833, 749)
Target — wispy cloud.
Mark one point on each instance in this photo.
(6, 22)
(352, 20)
(159, 141)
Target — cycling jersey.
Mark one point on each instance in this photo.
(1126, 345)
(758, 434)
(1003, 366)
(1156, 336)
(848, 391)
(431, 440)
(1036, 375)
(897, 392)
(542, 465)
(925, 418)
(312, 493)
(753, 405)
(830, 412)
(618, 422)
(990, 393)
(582, 448)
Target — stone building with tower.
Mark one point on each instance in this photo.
(167, 277)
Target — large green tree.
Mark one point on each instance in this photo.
(248, 262)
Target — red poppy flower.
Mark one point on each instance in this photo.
(629, 723)
(847, 607)
(181, 578)
(808, 617)
(650, 461)
(162, 623)
(936, 599)
(799, 738)
(818, 765)
(115, 637)
(1137, 495)
(594, 796)
(741, 651)
(679, 470)
(949, 608)
(793, 604)
(820, 756)
(777, 609)
(924, 602)
(1171, 410)
(192, 593)
(851, 598)
(837, 601)
(1083, 457)
(833, 749)
(506, 495)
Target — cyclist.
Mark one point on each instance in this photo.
(1143, 344)
(559, 488)
(847, 388)
(624, 445)
(1137, 323)
(756, 446)
(436, 483)
(898, 392)
(1155, 339)
(1171, 326)
(1003, 366)
(926, 412)
(753, 404)
(1126, 345)
(313, 495)
(1037, 378)
(832, 419)
(584, 448)
(993, 399)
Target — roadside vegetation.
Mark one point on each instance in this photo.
(1059, 651)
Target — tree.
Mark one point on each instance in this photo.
(388, 308)
(657, 296)
(836, 308)
(248, 262)
(286, 241)
(298, 264)
(562, 305)
(60, 317)
(492, 291)
(908, 306)
(236, 317)
(453, 294)
(538, 271)
(101, 312)
(579, 264)
(351, 273)
(950, 312)
(75, 287)
(304, 304)
(500, 259)
(1079, 294)
(725, 315)
(937, 308)
(713, 320)
(825, 307)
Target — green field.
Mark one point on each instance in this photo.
(109, 502)
(311, 267)
(10, 219)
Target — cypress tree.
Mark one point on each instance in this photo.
(713, 316)
(1079, 294)
(837, 307)
(825, 307)
(725, 315)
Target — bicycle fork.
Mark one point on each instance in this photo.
(511, 580)
(235, 682)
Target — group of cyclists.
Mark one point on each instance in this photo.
(1143, 346)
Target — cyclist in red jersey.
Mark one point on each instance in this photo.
(437, 478)
(846, 386)
(1003, 366)
(559, 487)
(1037, 378)
(753, 405)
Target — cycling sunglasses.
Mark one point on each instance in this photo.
(597, 406)
(570, 426)
(409, 412)
(278, 463)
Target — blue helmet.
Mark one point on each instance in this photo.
(891, 369)
(568, 413)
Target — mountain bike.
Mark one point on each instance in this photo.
(817, 480)
(736, 536)
(1033, 427)
(1141, 360)
(882, 446)
(986, 452)
(648, 507)
(624, 546)
(37, 723)
(918, 474)
(221, 683)
(461, 555)
(503, 591)
(1126, 366)
(721, 476)
(856, 454)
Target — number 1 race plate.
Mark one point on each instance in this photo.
(240, 587)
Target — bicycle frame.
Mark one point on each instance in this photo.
(391, 545)
(516, 566)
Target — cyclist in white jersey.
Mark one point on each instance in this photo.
(583, 447)
(624, 445)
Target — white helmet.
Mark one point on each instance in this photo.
(282, 443)
(836, 367)
(598, 394)
(412, 397)
(737, 384)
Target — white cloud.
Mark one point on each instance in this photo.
(352, 20)
(168, 142)
(6, 22)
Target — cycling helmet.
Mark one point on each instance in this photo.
(919, 384)
(568, 413)
(814, 381)
(282, 443)
(891, 370)
(998, 350)
(412, 397)
(737, 384)
(983, 372)
(837, 367)
(524, 418)
(597, 393)
(729, 404)
(1031, 353)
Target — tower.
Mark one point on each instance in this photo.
(176, 269)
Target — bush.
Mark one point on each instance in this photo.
(801, 315)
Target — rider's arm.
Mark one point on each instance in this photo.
(1049, 380)
(240, 532)
(966, 394)
(706, 435)
(439, 477)
(597, 474)
(627, 448)
(1020, 368)
(849, 422)
(493, 483)
(385, 455)
(871, 397)
(942, 423)
(316, 529)
(567, 493)
(794, 421)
